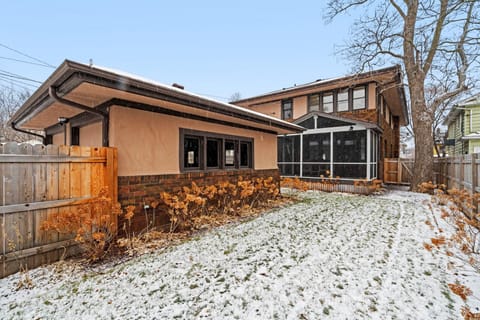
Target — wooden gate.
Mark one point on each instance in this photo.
(397, 170)
(40, 180)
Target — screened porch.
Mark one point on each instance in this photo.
(330, 148)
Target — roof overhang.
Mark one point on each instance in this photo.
(95, 87)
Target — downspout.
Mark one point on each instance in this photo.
(28, 132)
(52, 91)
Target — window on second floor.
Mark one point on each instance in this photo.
(359, 98)
(287, 109)
(327, 101)
(313, 102)
(342, 100)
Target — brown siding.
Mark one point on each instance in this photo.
(141, 190)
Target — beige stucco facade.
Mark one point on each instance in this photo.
(91, 135)
(148, 143)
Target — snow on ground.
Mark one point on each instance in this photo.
(331, 256)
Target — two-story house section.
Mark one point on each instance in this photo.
(463, 122)
(352, 123)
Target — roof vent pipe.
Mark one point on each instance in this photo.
(178, 86)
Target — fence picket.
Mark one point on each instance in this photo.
(43, 175)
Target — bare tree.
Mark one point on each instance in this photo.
(436, 42)
(235, 97)
(10, 101)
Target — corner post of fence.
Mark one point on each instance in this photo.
(461, 179)
(474, 182)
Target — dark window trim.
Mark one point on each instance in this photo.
(365, 88)
(284, 102)
(309, 107)
(204, 136)
(75, 136)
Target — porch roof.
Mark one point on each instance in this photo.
(96, 87)
(367, 125)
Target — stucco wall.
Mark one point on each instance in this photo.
(91, 135)
(372, 96)
(148, 143)
(299, 106)
(272, 109)
(57, 139)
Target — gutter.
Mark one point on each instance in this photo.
(12, 124)
(52, 92)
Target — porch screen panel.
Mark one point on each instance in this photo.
(350, 154)
(355, 171)
(308, 123)
(316, 155)
(288, 154)
(350, 146)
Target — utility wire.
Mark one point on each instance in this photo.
(24, 61)
(17, 76)
(28, 56)
(17, 82)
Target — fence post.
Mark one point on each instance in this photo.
(474, 182)
(462, 173)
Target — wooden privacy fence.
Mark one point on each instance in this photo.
(458, 172)
(40, 180)
(397, 170)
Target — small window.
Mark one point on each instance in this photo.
(287, 109)
(229, 153)
(213, 153)
(75, 136)
(313, 103)
(245, 154)
(327, 101)
(342, 100)
(191, 152)
(359, 98)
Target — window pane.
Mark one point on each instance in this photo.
(229, 153)
(213, 153)
(245, 154)
(350, 170)
(314, 102)
(316, 147)
(349, 146)
(342, 101)
(327, 100)
(359, 101)
(191, 152)
(289, 169)
(316, 170)
(288, 149)
(287, 109)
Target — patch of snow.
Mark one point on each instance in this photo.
(328, 256)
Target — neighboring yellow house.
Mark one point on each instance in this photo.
(463, 122)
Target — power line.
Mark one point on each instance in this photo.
(28, 56)
(17, 76)
(17, 82)
(28, 62)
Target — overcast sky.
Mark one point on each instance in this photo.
(214, 48)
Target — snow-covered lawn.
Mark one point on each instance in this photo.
(331, 256)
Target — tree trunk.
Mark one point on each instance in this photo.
(422, 127)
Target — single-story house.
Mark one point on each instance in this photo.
(165, 136)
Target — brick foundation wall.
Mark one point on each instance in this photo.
(141, 190)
